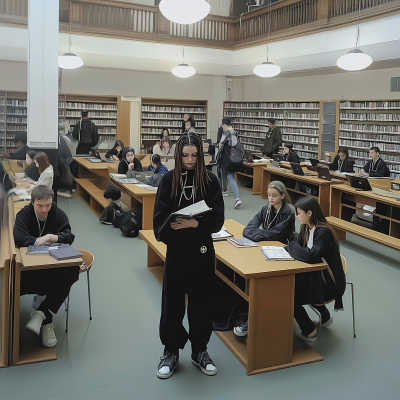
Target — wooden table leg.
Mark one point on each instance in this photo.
(257, 179)
(148, 211)
(265, 181)
(155, 264)
(324, 198)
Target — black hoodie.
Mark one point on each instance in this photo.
(123, 165)
(26, 229)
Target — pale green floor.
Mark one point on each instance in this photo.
(116, 354)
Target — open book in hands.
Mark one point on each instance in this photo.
(191, 211)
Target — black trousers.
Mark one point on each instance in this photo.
(83, 148)
(301, 296)
(55, 283)
(196, 279)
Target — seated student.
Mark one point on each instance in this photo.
(31, 170)
(46, 172)
(316, 243)
(342, 162)
(156, 166)
(167, 148)
(290, 155)
(116, 152)
(164, 132)
(275, 222)
(189, 126)
(20, 143)
(42, 223)
(129, 162)
(376, 167)
(113, 194)
(157, 148)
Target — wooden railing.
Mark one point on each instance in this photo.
(289, 18)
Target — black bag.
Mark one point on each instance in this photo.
(65, 179)
(153, 180)
(230, 322)
(129, 224)
(108, 215)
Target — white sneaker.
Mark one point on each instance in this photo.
(34, 324)
(48, 336)
(238, 203)
(37, 301)
(225, 194)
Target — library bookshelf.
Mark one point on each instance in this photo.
(299, 122)
(364, 124)
(158, 114)
(13, 119)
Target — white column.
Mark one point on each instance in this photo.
(43, 73)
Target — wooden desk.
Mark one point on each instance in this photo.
(251, 177)
(27, 348)
(134, 195)
(385, 228)
(93, 179)
(320, 187)
(269, 289)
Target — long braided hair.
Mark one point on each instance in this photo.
(201, 176)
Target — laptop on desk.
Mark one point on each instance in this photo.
(278, 157)
(250, 157)
(100, 156)
(359, 182)
(323, 173)
(298, 170)
(314, 162)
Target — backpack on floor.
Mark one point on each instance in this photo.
(108, 215)
(129, 224)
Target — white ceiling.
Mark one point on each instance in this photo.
(380, 39)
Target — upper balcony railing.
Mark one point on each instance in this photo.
(289, 18)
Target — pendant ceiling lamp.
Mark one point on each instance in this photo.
(183, 70)
(355, 59)
(69, 60)
(267, 69)
(185, 11)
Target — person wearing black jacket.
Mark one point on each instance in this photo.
(275, 222)
(316, 243)
(273, 139)
(342, 162)
(376, 167)
(22, 149)
(189, 264)
(42, 223)
(86, 132)
(188, 117)
(116, 152)
(129, 162)
(290, 155)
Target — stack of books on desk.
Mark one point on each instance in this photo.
(223, 234)
(242, 242)
(274, 253)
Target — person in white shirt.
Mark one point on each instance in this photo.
(46, 172)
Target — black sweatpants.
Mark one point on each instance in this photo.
(302, 296)
(84, 148)
(55, 283)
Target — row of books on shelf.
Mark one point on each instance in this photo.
(172, 131)
(149, 137)
(16, 128)
(197, 117)
(364, 155)
(97, 122)
(13, 111)
(368, 144)
(372, 129)
(302, 139)
(93, 114)
(174, 109)
(168, 124)
(17, 103)
(276, 115)
(19, 120)
(281, 105)
(370, 105)
(374, 138)
(370, 116)
(88, 106)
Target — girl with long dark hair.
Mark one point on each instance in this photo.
(316, 242)
(116, 152)
(189, 264)
(342, 162)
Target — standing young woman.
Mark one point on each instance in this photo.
(189, 265)
(342, 162)
(274, 222)
(316, 242)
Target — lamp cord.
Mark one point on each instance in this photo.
(70, 17)
(358, 23)
(269, 25)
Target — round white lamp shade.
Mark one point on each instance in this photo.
(183, 71)
(185, 11)
(354, 60)
(267, 70)
(69, 61)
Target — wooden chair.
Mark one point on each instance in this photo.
(344, 265)
(88, 259)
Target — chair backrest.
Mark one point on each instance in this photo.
(88, 259)
(344, 264)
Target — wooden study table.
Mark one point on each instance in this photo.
(251, 177)
(26, 347)
(93, 179)
(268, 287)
(134, 195)
(321, 187)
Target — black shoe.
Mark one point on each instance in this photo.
(203, 360)
(167, 365)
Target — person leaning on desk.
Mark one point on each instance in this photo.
(376, 167)
(342, 162)
(129, 162)
(42, 223)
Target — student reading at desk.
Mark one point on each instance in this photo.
(275, 222)
(116, 152)
(156, 165)
(376, 167)
(129, 162)
(31, 171)
(290, 155)
(189, 265)
(316, 243)
(342, 162)
(46, 172)
(42, 223)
